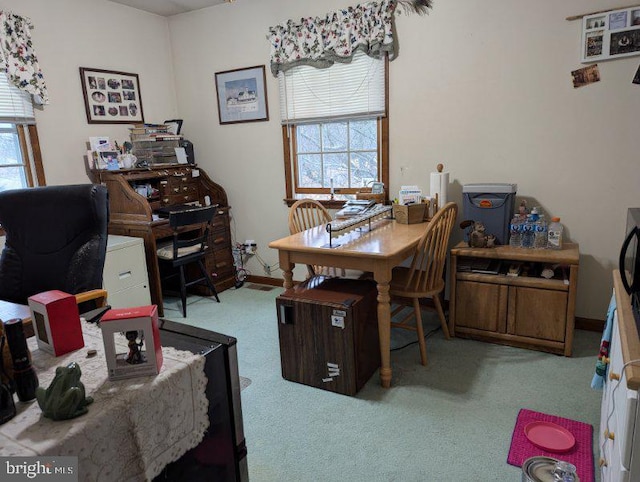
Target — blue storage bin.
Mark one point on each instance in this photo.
(491, 204)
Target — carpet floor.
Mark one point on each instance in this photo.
(451, 420)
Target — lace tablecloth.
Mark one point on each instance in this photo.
(134, 427)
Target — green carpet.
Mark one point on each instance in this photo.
(451, 420)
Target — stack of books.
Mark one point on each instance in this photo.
(152, 132)
(154, 143)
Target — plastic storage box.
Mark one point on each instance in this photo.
(491, 204)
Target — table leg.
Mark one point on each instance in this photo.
(384, 326)
(287, 269)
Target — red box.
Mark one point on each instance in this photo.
(142, 358)
(56, 322)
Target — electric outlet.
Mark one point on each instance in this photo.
(250, 246)
(267, 269)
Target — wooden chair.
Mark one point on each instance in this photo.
(424, 278)
(188, 247)
(309, 213)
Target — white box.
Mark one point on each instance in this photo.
(144, 355)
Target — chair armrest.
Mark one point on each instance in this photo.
(99, 295)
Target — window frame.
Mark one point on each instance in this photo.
(291, 164)
(31, 156)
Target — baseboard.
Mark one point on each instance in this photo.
(265, 280)
(589, 324)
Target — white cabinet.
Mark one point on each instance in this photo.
(125, 272)
(619, 438)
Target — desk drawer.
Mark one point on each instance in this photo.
(124, 268)
(219, 240)
(220, 221)
(183, 189)
(182, 198)
(220, 262)
(133, 296)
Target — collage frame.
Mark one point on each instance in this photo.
(111, 97)
(611, 34)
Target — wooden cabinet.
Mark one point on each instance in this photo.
(526, 311)
(619, 437)
(134, 195)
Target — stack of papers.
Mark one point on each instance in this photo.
(355, 208)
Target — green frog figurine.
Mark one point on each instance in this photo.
(65, 397)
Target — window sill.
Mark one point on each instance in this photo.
(327, 203)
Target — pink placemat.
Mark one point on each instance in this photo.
(581, 455)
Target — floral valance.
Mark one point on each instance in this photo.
(321, 41)
(20, 61)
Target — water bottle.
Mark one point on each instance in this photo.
(540, 236)
(528, 233)
(554, 239)
(515, 232)
(535, 214)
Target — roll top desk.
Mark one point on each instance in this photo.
(134, 195)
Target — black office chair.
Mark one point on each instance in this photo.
(56, 239)
(188, 247)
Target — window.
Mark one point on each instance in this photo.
(334, 127)
(20, 161)
(343, 155)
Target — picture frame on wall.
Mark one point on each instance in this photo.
(611, 34)
(111, 97)
(242, 95)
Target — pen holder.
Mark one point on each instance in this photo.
(409, 214)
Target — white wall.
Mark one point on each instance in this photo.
(70, 34)
(483, 87)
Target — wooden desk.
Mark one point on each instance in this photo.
(379, 250)
(131, 214)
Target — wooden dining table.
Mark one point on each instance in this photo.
(377, 249)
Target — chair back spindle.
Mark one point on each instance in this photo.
(430, 256)
(306, 214)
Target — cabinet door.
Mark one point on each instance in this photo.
(481, 306)
(537, 313)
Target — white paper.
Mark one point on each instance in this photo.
(409, 194)
(100, 143)
(181, 154)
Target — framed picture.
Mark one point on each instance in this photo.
(111, 97)
(108, 160)
(611, 34)
(242, 95)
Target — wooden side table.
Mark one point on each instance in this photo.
(525, 311)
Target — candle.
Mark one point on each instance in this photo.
(332, 186)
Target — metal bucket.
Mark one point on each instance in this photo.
(541, 469)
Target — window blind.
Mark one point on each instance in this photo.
(15, 104)
(309, 94)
